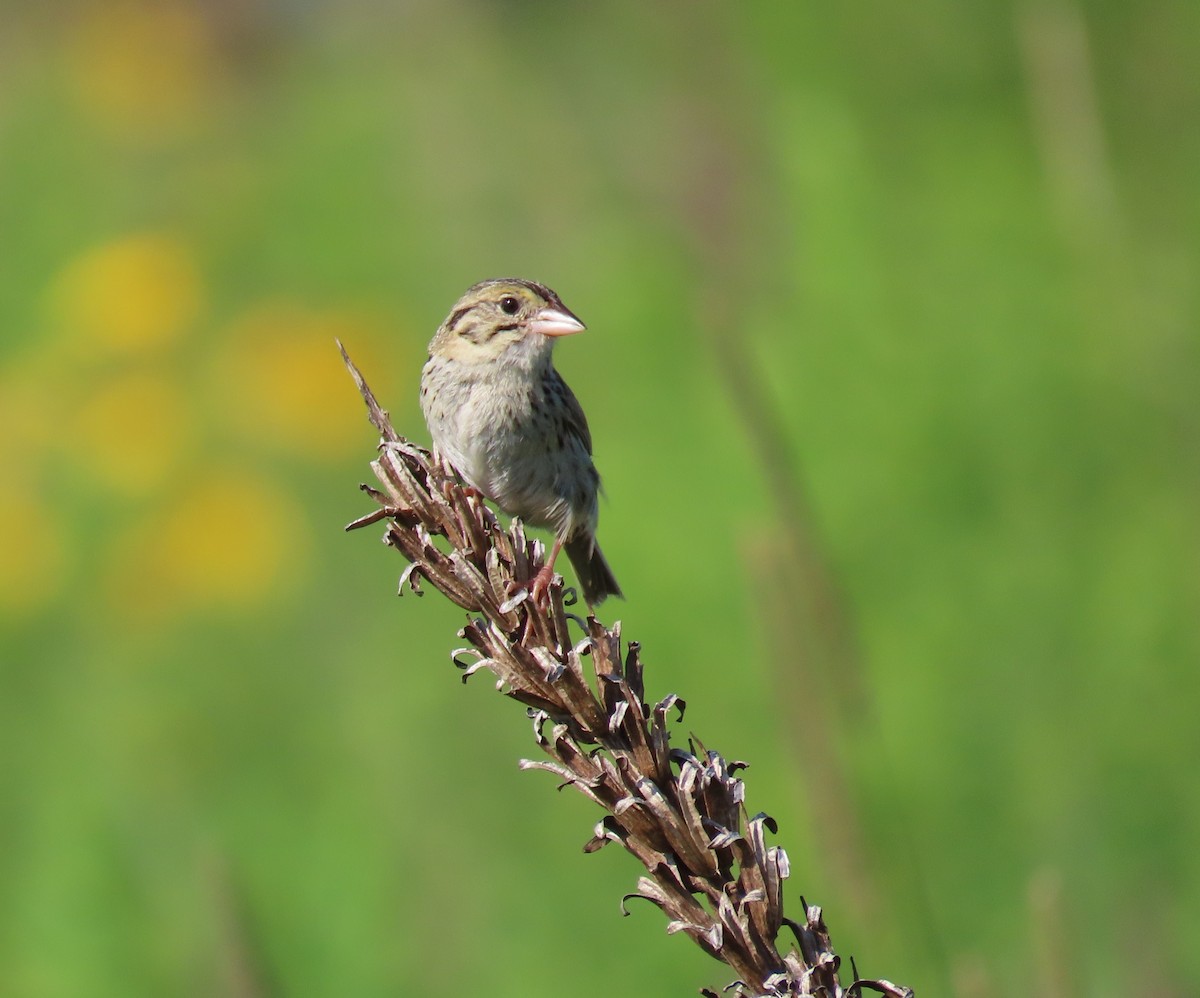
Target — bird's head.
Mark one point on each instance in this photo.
(505, 319)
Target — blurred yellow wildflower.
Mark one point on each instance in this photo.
(132, 432)
(31, 569)
(129, 295)
(281, 379)
(143, 66)
(229, 543)
(27, 393)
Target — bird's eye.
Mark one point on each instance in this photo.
(509, 305)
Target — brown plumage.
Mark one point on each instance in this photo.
(504, 418)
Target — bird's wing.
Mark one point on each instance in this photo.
(576, 420)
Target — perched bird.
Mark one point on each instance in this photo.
(504, 418)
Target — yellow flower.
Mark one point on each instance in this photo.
(31, 571)
(132, 432)
(129, 295)
(230, 543)
(143, 66)
(28, 389)
(282, 380)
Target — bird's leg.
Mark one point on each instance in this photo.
(540, 583)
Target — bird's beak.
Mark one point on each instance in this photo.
(555, 322)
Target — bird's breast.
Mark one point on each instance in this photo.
(499, 430)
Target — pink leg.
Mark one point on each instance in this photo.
(538, 590)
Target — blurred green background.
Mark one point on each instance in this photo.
(892, 371)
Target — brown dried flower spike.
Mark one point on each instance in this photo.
(680, 811)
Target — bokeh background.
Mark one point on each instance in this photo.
(892, 371)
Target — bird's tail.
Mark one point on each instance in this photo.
(595, 577)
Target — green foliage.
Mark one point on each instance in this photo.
(961, 244)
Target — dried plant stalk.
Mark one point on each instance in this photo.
(679, 811)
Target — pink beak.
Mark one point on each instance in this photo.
(555, 322)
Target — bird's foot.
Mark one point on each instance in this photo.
(539, 590)
(538, 587)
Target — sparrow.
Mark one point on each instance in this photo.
(507, 423)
